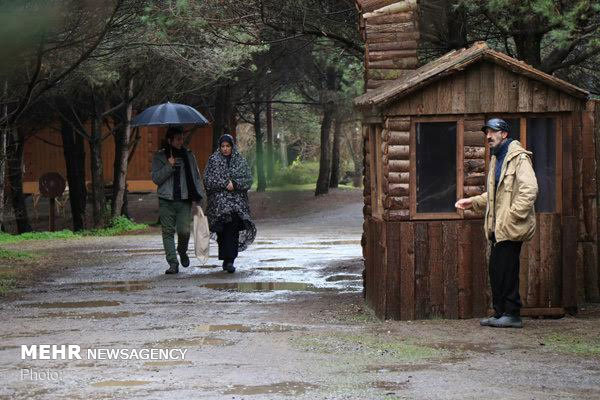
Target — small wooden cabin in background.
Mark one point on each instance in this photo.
(44, 153)
(424, 150)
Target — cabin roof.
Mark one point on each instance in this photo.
(453, 62)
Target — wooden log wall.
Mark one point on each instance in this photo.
(475, 159)
(391, 34)
(419, 270)
(396, 160)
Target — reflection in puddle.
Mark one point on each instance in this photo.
(264, 286)
(195, 342)
(264, 242)
(248, 328)
(337, 242)
(292, 248)
(75, 304)
(97, 315)
(338, 278)
(284, 388)
(278, 268)
(119, 383)
(166, 363)
(275, 259)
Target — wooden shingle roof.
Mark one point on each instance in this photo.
(453, 62)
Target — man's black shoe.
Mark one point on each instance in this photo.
(185, 260)
(508, 321)
(489, 320)
(229, 267)
(173, 269)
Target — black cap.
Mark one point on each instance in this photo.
(496, 124)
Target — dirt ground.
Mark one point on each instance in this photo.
(290, 323)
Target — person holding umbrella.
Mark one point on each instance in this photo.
(227, 179)
(175, 172)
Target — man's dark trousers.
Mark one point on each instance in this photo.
(504, 277)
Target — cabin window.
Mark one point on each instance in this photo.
(436, 161)
(541, 140)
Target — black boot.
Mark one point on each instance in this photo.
(228, 266)
(185, 260)
(173, 269)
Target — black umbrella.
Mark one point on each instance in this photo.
(169, 114)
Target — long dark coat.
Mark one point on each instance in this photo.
(223, 204)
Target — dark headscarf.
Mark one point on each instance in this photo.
(226, 138)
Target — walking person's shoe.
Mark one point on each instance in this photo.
(185, 260)
(228, 266)
(508, 321)
(489, 320)
(173, 269)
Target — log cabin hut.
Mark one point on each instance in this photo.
(424, 149)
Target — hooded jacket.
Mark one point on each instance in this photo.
(509, 206)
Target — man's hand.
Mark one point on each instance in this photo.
(171, 161)
(464, 204)
(230, 186)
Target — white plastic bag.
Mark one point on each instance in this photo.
(201, 234)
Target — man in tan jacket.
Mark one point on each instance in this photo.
(509, 219)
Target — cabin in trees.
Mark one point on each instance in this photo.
(44, 152)
(424, 150)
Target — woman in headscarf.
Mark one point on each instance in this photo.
(227, 179)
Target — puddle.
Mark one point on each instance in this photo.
(75, 304)
(485, 348)
(263, 242)
(275, 259)
(284, 388)
(166, 363)
(196, 342)
(279, 268)
(400, 368)
(126, 288)
(120, 383)
(338, 278)
(390, 386)
(336, 242)
(292, 248)
(264, 286)
(248, 328)
(97, 315)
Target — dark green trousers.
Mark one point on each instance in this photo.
(175, 216)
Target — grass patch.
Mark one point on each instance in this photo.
(369, 346)
(565, 343)
(13, 266)
(16, 255)
(118, 226)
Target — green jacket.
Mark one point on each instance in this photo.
(162, 176)
(509, 212)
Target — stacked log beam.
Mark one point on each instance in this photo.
(474, 160)
(391, 33)
(396, 169)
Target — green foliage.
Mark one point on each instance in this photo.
(298, 173)
(64, 234)
(117, 226)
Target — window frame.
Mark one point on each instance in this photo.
(460, 150)
(376, 169)
(559, 119)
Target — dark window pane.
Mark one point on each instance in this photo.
(436, 167)
(515, 128)
(541, 140)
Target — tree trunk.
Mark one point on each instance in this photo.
(75, 164)
(122, 156)
(260, 167)
(16, 146)
(325, 159)
(529, 48)
(222, 113)
(3, 154)
(270, 158)
(96, 167)
(335, 154)
(283, 151)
